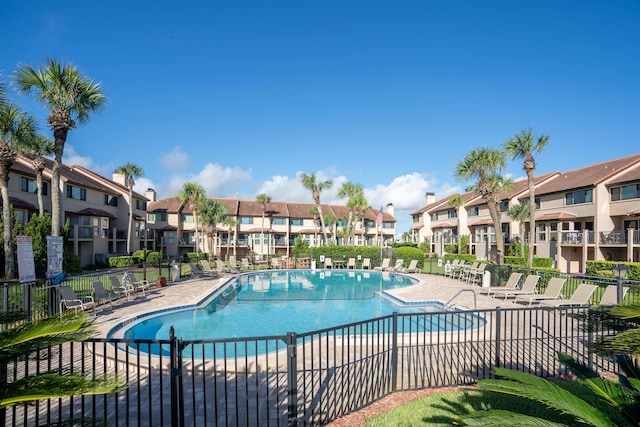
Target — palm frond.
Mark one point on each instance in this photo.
(504, 418)
(626, 312)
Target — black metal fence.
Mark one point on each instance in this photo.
(304, 379)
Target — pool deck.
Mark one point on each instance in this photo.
(191, 291)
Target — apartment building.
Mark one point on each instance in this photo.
(589, 213)
(173, 225)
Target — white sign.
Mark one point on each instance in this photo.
(54, 256)
(26, 265)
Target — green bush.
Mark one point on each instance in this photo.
(466, 257)
(121, 261)
(153, 257)
(407, 253)
(599, 268)
(71, 263)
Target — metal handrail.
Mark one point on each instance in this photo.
(475, 301)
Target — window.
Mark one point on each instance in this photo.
(542, 234)
(341, 223)
(434, 216)
(22, 217)
(537, 202)
(625, 193)
(369, 224)
(29, 186)
(452, 213)
(158, 216)
(186, 217)
(278, 221)
(245, 220)
(142, 205)
(578, 197)
(76, 193)
(474, 211)
(187, 238)
(110, 200)
(388, 224)
(415, 218)
(296, 221)
(504, 206)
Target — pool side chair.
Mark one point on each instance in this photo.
(196, 271)
(351, 264)
(580, 296)
(465, 270)
(450, 268)
(366, 263)
(70, 301)
(551, 293)
(397, 266)
(141, 286)
(528, 288)
(512, 283)
(610, 295)
(328, 263)
(100, 294)
(119, 289)
(412, 268)
(386, 262)
(245, 265)
(475, 275)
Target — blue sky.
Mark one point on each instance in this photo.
(244, 96)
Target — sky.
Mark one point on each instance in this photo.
(243, 96)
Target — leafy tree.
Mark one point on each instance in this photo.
(71, 98)
(16, 127)
(38, 227)
(356, 203)
(231, 223)
(212, 212)
(38, 148)
(520, 213)
(330, 220)
(524, 145)
(263, 199)
(130, 172)
(457, 201)
(310, 182)
(193, 194)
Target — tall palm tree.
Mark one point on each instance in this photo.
(310, 182)
(212, 212)
(263, 199)
(71, 98)
(524, 145)
(356, 202)
(193, 194)
(130, 172)
(485, 165)
(520, 213)
(331, 220)
(16, 128)
(39, 148)
(231, 223)
(457, 202)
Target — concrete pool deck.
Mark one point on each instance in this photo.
(191, 291)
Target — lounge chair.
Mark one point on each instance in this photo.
(610, 295)
(412, 268)
(366, 263)
(328, 263)
(475, 275)
(222, 267)
(119, 289)
(386, 262)
(70, 301)
(512, 283)
(580, 296)
(130, 279)
(100, 293)
(551, 292)
(397, 266)
(450, 267)
(195, 270)
(465, 270)
(351, 264)
(528, 288)
(245, 265)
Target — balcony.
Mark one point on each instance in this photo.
(84, 232)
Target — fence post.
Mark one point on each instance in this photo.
(394, 352)
(498, 335)
(175, 359)
(292, 379)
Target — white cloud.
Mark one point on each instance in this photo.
(70, 158)
(218, 181)
(175, 160)
(142, 184)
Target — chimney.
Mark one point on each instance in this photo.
(119, 178)
(151, 194)
(429, 198)
(389, 209)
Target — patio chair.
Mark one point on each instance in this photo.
(412, 268)
(100, 293)
(222, 267)
(351, 264)
(465, 270)
(245, 265)
(196, 271)
(70, 301)
(386, 262)
(397, 266)
(512, 283)
(610, 295)
(138, 285)
(528, 288)
(328, 263)
(580, 296)
(366, 263)
(475, 274)
(450, 267)
(552, 292)
(119, 289)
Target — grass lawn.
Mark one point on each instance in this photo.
(439, 409)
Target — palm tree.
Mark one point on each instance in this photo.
(39, 148)
(70, 97)
(193, 194)
(310, 182)
(485, 165)
(457, 201)
(356, 202)
(263, 199)
(212, 212)
(331, 220)
(520, 213)
(231, 223)
(18, 341)
(523, 146)
(130, 171)
(16, 128)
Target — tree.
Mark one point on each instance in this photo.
(331, 220)
(71, 98)
(520, 213)
(310, 182)
(130, 171)
(39, 148)
(485, 165)
(523, 146)
(356, 202)
(193, 194)
(457, 201)
(231, 223)
(16, 128)
(263, 199)
(212, 212)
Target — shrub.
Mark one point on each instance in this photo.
(121, 261)
(71, 263)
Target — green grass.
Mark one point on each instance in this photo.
(440, 408)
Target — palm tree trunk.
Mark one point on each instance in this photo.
(9, 264)
(195, 233)
(60, 136)
(39, 193)
(322, 227)
(497, 226)
(532, 218)
(130, 225)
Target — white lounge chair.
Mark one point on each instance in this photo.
(196, 271)
(366, 263)
(130, 279)
(551, 292)
(512, 283)
(397, 266)
(351, 264)
(528, 288)
(386, 262)
(412, 268)
(610, 295)
(328, 263)
(580, 296)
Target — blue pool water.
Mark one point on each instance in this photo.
(276, 302)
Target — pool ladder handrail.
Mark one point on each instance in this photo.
(475, 300)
